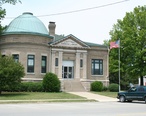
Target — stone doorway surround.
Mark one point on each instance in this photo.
(69, 55)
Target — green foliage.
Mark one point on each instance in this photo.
(51, 83)
(31, 87)
(131, 31)
(3, 11)
(25, 87)
(2, 15)
(10, 72)
(9, 1)
(113, 87)
(96, 86)
(105, 88)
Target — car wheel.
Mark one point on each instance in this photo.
(122, 99)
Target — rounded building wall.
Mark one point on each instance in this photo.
(24, 45)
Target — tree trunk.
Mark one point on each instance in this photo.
(141, 80)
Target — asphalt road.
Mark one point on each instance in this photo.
(74, 109)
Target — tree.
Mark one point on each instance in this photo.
(3, 11)
(10, 72)
(9, 1)
(132, 34)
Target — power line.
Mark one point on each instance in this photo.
(84, 9)
(69, 12)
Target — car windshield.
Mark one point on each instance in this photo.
(132, 89)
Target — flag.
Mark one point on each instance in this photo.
(115, 44)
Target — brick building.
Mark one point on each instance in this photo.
(75, 62)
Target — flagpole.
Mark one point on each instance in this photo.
(119, 67)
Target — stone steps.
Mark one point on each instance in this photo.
(73, 85)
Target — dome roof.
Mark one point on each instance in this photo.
(26, 24)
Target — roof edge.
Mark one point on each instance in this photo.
(31, 33)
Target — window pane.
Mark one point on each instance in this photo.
(81, 62)
(44, 63)
(31, 56)
(97, 67)
(30, 63)
(56, 61)
(16, 57)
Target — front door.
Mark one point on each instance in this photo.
(68, 69)
(67, 72)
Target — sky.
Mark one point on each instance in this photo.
(90, 25)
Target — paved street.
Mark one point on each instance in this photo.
(74, 109)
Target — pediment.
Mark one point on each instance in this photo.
(70, 41)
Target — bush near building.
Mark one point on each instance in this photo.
(113, 87)
(51, 83)
(25, 87)
(96, 86)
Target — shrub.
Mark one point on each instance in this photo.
(26, 87)
(33, 86)
(114, 87)
(51, 83)
(105, 88)
(96, 86)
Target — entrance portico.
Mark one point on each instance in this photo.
(69, 64)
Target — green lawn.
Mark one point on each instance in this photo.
(37, 95)
(29, 97)
(109, 94)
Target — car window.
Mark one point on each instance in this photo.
(144, 88)
(141, 89)
(133, 89)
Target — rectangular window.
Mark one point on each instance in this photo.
(30, 63)
(81, 62)
(16, 57)
(56, 61)
(97, 67)
(44, 64)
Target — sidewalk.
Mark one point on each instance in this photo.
(93, 96)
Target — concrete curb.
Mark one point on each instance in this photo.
(45, 101)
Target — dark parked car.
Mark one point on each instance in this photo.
(134, 93)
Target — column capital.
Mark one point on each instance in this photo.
(53, 52)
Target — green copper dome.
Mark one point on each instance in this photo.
(26, 24)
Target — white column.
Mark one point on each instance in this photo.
(53, 62)
(85, 65)
(60, 65)
(77, 70)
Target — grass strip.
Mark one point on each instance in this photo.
(37, 96)
(108, 94)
